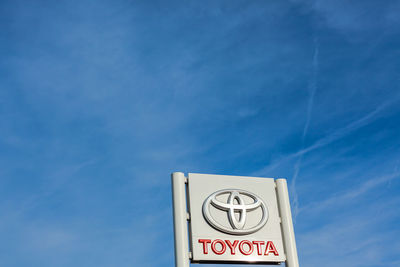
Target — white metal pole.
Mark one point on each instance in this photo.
(289, 241)
(180, 220)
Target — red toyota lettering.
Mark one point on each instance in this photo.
(214, 249)
(249, 244)
(232, 246)
(259, 246)
(270, 248)
(205, 242)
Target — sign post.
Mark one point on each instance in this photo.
(287, 223)
(180, 219)
(232, 219)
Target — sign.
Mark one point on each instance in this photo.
(232, 219)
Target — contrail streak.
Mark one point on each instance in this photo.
(340, 133)
(313, 87)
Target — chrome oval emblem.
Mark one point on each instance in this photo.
(237, 225)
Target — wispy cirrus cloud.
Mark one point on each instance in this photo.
(351, 194)
(332, 137)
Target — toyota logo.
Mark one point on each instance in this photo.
(235, 205)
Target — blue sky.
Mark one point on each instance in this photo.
(101, 100)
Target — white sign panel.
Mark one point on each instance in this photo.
(234, 219)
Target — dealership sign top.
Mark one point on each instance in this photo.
(232, 219)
